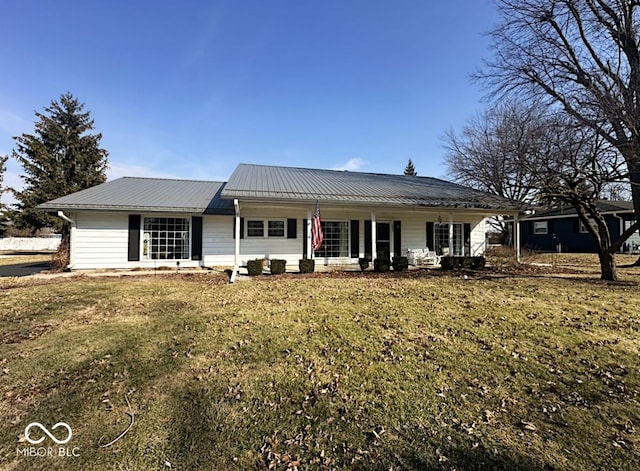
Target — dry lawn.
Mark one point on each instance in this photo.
(499, 370)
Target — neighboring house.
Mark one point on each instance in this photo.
(560, 228)
(266, 212)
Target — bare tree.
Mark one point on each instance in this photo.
(576, 167)
(486, 154)
(583, 55)
(533, 155)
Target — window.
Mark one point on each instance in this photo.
(335, 241)
(255, 228)
(582, 228)
(165, 239)
(276, 228)
(441, 239)
(540, 227)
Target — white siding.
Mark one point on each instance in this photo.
(100, 239)
(478, 237)
(218, 245)
(414, 234)
(272, 247)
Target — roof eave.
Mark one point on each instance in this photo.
(462, 205)
(119, 208)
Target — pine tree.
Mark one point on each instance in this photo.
(410, 169)
(3, 215)
(58, 159)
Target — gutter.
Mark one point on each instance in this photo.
(72, 234)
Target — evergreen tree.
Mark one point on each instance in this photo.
(3, 215)
(58, 159)
(410, 169)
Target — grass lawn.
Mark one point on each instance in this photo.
(428, 371)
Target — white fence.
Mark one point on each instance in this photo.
(29, 244)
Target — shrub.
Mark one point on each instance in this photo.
(254, 267)
(364, 263)
(381, 265)
(400, 263)
(307, 265)
(278, 267)
(451, 263)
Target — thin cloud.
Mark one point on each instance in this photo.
(352, 165)
(13, 124)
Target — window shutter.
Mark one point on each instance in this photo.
(304, 237)
(134, 238)
(397, 238)
(355, 238)
(466, 237)
(196, 238)
(430, 242)
(550, 226)
(241, 228)
(368, 249)
(292, 228)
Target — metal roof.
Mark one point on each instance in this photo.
(303, 184)
(147, 194)
(604, 207)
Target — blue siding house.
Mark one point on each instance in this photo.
(559, 229)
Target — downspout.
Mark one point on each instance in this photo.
(236, 257)
(374, 237)
(72, 238)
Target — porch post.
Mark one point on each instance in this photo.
(374, 248)
(236, 255)
(450, 235)
(516, 229)
(307, 234)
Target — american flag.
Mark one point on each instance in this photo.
(316, 230)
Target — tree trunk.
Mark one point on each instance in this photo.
(608, 270)
(60, 259)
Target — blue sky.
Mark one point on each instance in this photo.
(190, 89)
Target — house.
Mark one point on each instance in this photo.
(266, 212)
(560, 229)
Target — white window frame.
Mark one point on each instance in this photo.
(540, 227)
(251, 236)
(146, 248)
(582, 229)
(345, 224)
(441, 232)
(266, 230)
(284, 229)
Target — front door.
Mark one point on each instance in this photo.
(383, 240)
